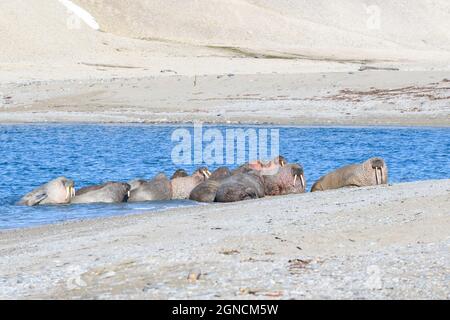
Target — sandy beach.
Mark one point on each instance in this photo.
(328, 98)
(370, 243)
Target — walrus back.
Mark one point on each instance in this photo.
(205, 191)
(233, 193)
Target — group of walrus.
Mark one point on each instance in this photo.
(252, 180)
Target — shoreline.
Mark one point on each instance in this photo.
(327, 241)
(180, 209)
(369, 98)
(211, 124)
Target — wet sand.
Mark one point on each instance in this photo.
(377, 242)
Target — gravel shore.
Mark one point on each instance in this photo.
(378, 242)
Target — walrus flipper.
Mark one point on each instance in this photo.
(34, 198)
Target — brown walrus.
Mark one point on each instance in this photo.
(109, 192)
(180, 173)
(157, 189)
(255, 184)
(206, 191)
(58, 191)
(241, 186)
(369, 173)
(183, 186)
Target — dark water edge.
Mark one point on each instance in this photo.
(32, 154)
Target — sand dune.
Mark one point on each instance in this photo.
(345, 29)
(36, 30)
(45, 31)
(386, 30)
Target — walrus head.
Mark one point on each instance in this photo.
(280, 160)
(289, 179)
(379, 167)
(134, 184)
(202, 172)
(180, 173)
(299, 176)
(273, 166)
(277, 162)
(127, 188)
(69, 185)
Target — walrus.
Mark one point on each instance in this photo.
(180, 173)
(289, 179)
(182, 187)
(206, 191)
(58, 191)
(256, 184)
(109, 192)
(369, 173)
(269, 167)
(159, 188)
(241, 186)
(136, 183)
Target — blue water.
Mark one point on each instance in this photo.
(31, 155)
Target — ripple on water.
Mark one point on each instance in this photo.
(30, 155)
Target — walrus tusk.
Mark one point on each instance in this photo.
(129, 194)
(381, 175)
(72, 192)
(67, 193)
(376, 175)
(295, 179)
(381, 172)
(207, 173)
(303, 181)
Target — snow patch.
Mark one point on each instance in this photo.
(81, 13)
